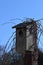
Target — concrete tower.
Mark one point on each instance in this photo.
(26, 40)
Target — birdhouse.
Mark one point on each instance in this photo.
(26, 35)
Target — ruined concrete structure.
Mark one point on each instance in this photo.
(26, 41)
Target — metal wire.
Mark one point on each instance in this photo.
(8, 41)
(39, 29)
(26, 19)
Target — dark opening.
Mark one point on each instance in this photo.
(21, 33)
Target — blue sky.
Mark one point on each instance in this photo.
(11, 9)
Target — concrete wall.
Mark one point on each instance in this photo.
(29, 38)
(20, 39)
